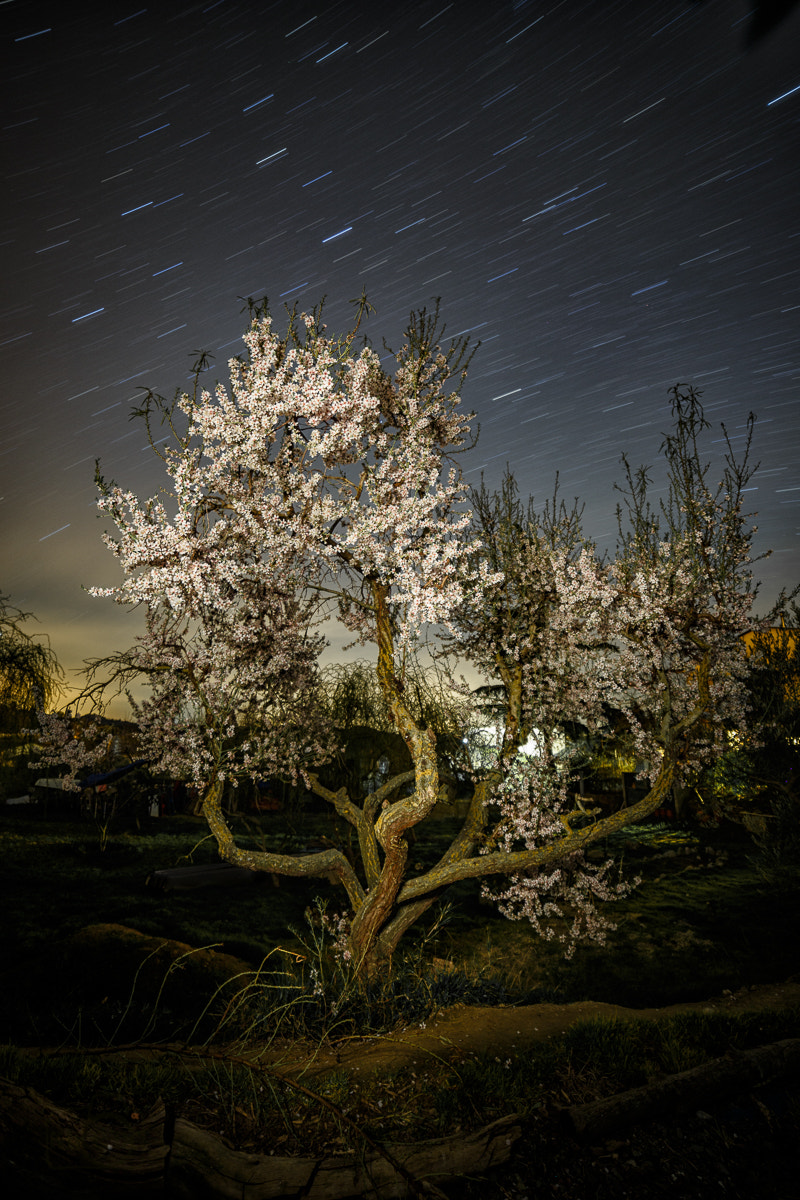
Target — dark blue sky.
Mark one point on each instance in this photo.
(605, 193)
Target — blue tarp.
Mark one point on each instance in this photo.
(108, 776)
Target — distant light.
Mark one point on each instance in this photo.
(650, 287)
(317, 179)
(784, 95)
(55, 531)
(643, 110)
(494, 277)
(263, 100)
(38, 33)
(330, 52)
(274, 154)
(525, 30)
(420, 221)
(298, 27)
(85, 316)
(140, 13)
(341, 233)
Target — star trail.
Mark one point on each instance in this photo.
(605, 194)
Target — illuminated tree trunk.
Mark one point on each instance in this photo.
(368, 949)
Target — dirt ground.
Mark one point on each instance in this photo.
(453, 1033)
(464, 1030)
(745, 1147)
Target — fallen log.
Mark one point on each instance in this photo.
(154, 1157)
(117, 1162)
(737, 1070)
(202, 1165)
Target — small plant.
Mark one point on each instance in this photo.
(317, 994)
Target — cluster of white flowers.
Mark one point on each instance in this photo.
(559, 901)
(82, 746)
(313, 475)
(337, 926)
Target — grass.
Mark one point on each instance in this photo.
(693, 928)
(697, 925)
(601, 1056)
(43, 862)
(705, 919)
(249, 1102)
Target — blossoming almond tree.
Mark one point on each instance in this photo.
(685, 594)
(316, 481)
(652, 636)
(541, 635)
(319, 482)
(82, 747)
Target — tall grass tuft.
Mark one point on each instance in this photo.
(314, 993)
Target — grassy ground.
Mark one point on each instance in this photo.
(706, 918)
(704, 913)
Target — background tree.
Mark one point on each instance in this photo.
(757, 780)
(76, 747)
(685, 580)
(369, 748)
(319, 482)
(30, 674)
(652, 636)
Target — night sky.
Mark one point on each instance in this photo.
(606, 194)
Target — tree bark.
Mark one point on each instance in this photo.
(62, 1146)
(152, 1159)
(202, 1166)
(327, 863)
(501, 862)
(716, 1079)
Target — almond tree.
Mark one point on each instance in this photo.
(83, 746)
(318, 482)
(653, 636)
(315, 482)
(540, 636)
(686, 592)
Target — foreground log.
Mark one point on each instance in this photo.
(73, 1151)
(201, 1165)
(69, 1149)
(715, 1080)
